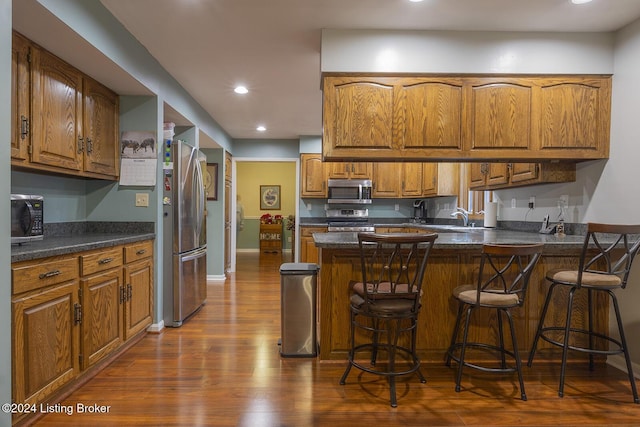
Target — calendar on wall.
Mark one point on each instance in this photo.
(138, 158)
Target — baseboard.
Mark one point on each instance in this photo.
(156, 328)
(617, 361)
(218, 278)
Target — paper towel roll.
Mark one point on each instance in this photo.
(491, 214)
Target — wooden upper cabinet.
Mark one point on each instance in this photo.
(411, 175)
(429, 114)
(349, 170)
(500, 115)
(62, 120)
(493, 176)
(575, 116)
(20, 95)
(440, 179)
(358, 113)
(386, 180)
(447, 118)
(313, 176)
(100, 129)
(57, 112)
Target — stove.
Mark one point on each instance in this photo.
(355, 220)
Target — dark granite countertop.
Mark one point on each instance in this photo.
(455, 237)
(63, 240)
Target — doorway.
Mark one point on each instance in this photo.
(251, 176)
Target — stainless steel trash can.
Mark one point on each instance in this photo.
(298, 287)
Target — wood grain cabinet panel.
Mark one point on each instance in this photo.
(45, 342)
(20, 99)
(313, 176)
(358, 113)
(57, 112)
(470, 118)
(71, 312)
(308, 250)
(102, 320)
(138, 296)
(429, 114)
(494, 176)
(63, 121)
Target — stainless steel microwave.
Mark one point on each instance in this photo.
(27, 218)
(356, 191)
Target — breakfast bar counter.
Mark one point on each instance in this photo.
(453, 261)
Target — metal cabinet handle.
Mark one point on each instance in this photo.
(105, 261)
(80, 144)
(50, 274)
(89, 145)
(77, 313)
(129, 291)
(24, 127)
(141, 251)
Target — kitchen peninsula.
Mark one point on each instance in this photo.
(454, 261)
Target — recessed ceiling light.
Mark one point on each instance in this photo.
(415, 1)
(580, 1)
(261, 128)
(241, 90)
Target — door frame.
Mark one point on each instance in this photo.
(234, 181)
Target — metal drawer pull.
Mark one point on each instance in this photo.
(50, 274)
(141, 251)
(105, 260)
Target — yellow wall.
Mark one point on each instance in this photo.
(251, 175)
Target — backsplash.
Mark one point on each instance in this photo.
(72, 228)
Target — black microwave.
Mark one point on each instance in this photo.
(357, 191)
(27, 218)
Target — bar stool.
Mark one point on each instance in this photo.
(605, 263)
(502, 284)
(386, 302)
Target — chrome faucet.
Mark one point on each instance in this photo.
(460, 212)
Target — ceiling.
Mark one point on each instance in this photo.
(273, 47)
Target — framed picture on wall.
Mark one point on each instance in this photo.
(269, 197)
(211, 181)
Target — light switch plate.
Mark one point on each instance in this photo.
(142, 199)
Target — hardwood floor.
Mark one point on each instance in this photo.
(223, 368)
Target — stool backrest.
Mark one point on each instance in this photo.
(614, 257)
(506, 269)
(393, 264)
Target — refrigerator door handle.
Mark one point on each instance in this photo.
(198, 253)
(200, 188)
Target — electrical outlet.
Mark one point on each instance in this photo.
(532, 202)
(308, 206)
(142, 200)
(564, 199)
(397, 207)
(513, 203)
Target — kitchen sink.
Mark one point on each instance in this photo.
(455, 228)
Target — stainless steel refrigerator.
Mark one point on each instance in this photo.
(184, 227)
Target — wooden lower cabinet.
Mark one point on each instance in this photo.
(308, 250)
(46, 334)
(73, 311)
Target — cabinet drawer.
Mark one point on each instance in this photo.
(27, 277)
(138, 251)
(101, 260)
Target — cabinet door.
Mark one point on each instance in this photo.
(429, 179)
(411, 179)
(430, 114)
(498, 174)
(478, 175)
(524, 172)
(138, 289)
(500, 115)
(46, 342)
(102, 315)
(308, 250)
(575, 115)
(386, 180)
(358, 113)
(361, 170)
(312, 173)
(20, 94)
(101, 154)
(56, 112)
(338, 170)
